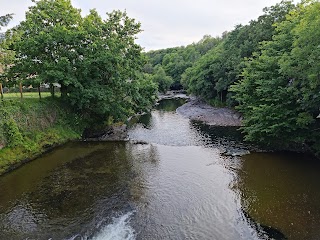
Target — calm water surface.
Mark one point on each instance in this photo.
(170, 182)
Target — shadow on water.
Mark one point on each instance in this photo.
(220, 134)
(232, 138)
(170, 105)
(264, 232)
(278, 191)
(281, 191)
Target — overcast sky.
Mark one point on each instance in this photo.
(166, 23)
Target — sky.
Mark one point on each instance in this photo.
(166, 23)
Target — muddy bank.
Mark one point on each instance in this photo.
(200, 111)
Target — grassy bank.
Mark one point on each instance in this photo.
(30, 126)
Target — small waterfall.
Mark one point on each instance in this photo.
(119, 229)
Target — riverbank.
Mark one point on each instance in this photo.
(30, 127)
(198, 110)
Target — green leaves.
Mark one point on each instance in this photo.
(4, 20)
(176, 61)
(95, 61)
(164, 82)
(212, 75)
(279, 95)
(12, 133)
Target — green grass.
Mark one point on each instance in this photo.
(7, 96)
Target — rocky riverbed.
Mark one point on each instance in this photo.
(196, 109)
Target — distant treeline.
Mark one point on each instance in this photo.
(269, 70)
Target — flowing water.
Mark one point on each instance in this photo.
(170, 182)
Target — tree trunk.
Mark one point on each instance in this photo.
(20, 88)
(64, 91)
(39, 90)
(52, 90)
(1, 90)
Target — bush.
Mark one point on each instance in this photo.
(12, 133)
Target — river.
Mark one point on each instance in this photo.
(171, 181)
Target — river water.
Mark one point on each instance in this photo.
(170, 182)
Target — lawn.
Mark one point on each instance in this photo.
(27, 95)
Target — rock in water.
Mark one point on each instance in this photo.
(235, 152)
(110, 133)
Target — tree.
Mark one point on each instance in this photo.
(4, 55)
(164, 82)
(303, 64)
(199, 79)
(48, 42)
(4, 20)
(279, 103)
(176, 60)
(96, 61)
(109, 66)
(227, 64)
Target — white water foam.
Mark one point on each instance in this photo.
(119, 229)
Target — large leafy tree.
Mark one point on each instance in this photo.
(96, 61)
(47, 48)
(303, 64)
(199, 79)
(279, 95)
(109, 66)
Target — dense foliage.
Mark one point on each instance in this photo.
(96, 61)
(280, 91)
(175, 61)
(269, 70)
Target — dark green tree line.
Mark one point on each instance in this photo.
(175, 61)
(280, 91)
(223, 66)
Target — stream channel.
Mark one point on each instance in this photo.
(171, 181)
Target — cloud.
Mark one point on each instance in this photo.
(18, 8)
(167, 23)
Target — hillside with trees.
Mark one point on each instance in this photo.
(268, 70)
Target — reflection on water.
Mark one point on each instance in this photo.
(170, 105)
(78, 196)
(176, 185)
(282, 190)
